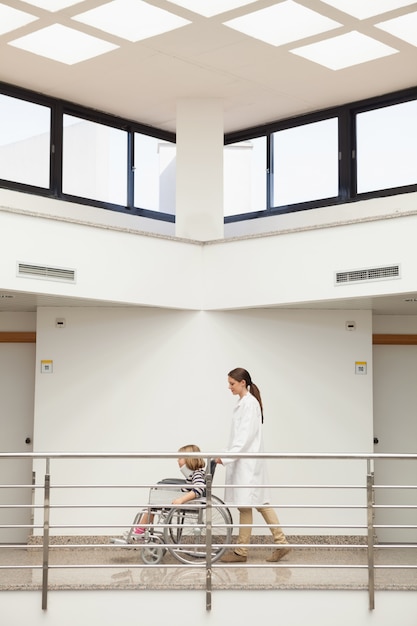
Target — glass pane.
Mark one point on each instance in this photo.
(386, 141)
(94, 161)
(155, 172)
(244, 167)
(306, 163)
(25, 138)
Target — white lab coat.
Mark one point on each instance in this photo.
(246, 436)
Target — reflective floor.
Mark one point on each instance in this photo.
(108, 566)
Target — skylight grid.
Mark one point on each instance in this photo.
(282, 23)
(362, 9)
(63, 44)
(52, 5)
(133, 20)
(344, 51)
(404, 27)
(208, 8)
(10, 19)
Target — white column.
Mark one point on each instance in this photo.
(199, 175)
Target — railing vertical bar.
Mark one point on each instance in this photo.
(209, 534)
(32, 510)
(371, 556)
(45, 564)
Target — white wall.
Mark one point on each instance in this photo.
(114, 265)
(17, 322)
(395, 324)
(149, 380)
(137, 269)
(14, 200)
(148, 364)
(360, 211)
(300, 266)
(293, 608)
(391, 206)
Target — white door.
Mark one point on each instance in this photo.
(395, 428)
(17, 385)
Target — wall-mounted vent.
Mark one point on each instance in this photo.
(373, 273)
(44, 272)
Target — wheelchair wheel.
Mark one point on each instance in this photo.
(185, 531)
(152, 551)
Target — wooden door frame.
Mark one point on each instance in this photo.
(394, 340)
(377, 339)
(17, 337)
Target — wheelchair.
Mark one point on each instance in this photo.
(179, 530)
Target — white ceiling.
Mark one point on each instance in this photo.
(257, 82)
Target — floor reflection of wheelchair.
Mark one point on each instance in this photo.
(180, 530)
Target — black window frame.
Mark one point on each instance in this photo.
(33, 98)
(59, 108)
(345, 113)
(374, 104)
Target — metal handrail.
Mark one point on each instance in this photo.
(208, 565)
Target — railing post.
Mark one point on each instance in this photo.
(209, 534)
(45, 565)
(370, 510)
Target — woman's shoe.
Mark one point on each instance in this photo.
(278, 554)
(233, 557)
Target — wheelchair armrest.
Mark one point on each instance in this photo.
(172, 481)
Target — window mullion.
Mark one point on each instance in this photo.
(130, 169)
(269, 172)
(56, 150)
(346, 161)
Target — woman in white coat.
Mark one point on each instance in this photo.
(246, 436)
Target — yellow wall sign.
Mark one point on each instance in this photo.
(361, 367)
(47, 366)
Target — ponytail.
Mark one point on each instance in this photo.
(255, 392)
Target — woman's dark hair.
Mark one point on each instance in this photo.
(240, 374)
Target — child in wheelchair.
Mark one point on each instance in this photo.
(194, 485)
(173, 523)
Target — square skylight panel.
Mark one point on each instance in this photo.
(282, 23)
(367, 8)
(53, 5)
(208, 8)
(133, 20)
(404, 27)
(10, 19)
(63, 44)
(344, 51)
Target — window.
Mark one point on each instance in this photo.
(25, 138)
(155, 174)
(94, 161)
(386, 147)
(62, 150)
(306, 163)
(245, 176)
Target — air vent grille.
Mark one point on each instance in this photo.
(374, 273)
(45, 272)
